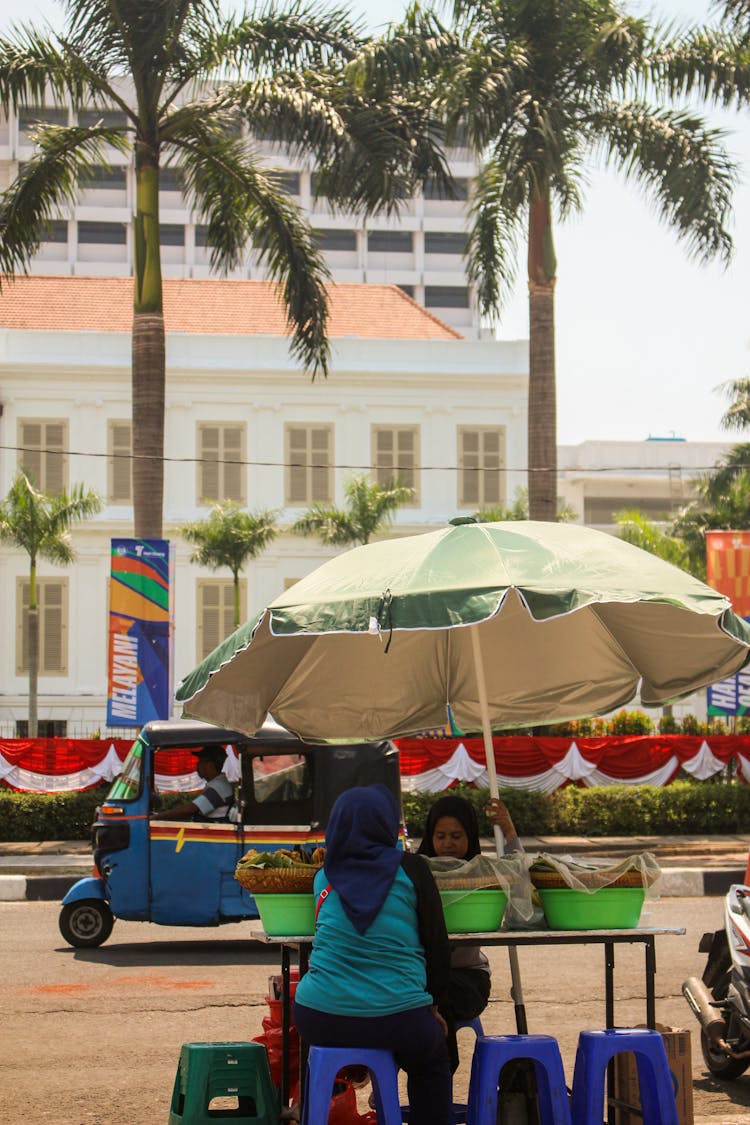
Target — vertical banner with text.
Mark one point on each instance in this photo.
(728, 571)
(140, 632)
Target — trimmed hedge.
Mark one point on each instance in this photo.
(683, 808)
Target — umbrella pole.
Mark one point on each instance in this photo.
(516, 989)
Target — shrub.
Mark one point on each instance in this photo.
(668, 724)
(685, 807)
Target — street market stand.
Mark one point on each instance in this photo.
(512, 940)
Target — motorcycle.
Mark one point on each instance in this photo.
(720, 1000)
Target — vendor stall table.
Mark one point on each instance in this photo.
(511, 939)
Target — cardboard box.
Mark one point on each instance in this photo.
(677, 1046)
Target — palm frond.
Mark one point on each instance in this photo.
(270, 38)
(31, 66)
(737, 415)
(48, 182)
(238, 199)
(713, 64)
(496, 212)
(681, 164)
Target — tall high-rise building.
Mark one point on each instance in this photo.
(421, 249)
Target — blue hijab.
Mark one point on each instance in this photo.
(362, 853)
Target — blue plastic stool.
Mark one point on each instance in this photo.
(324, 1063)
(223, 1070)
(597, 1048)
(491, 1054)
(460, 1109)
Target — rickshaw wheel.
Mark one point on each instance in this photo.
(86, 923)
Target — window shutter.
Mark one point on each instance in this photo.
(121, 489)
(233, 469)
(30, 457)
(320, 490)
(209, 468)
(51, 631)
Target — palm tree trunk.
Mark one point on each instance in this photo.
(236, 595)
(148, 354)
(542, 413)
(33, 639)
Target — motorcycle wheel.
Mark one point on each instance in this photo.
(86, 923)
(720, 1064)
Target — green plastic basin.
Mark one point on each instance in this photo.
(474, 912)
(611, 908)
(287, 915)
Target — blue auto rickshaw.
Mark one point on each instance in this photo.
(181, 873)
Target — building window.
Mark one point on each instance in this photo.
(120, 463)
(330, 240)
(109, 118)
(395, 453)
(481, 464)
(201, 236)
(408, 289)
(389, 242)
(42, 453)
(32, 116)
(215, 616)
(100, 176)
(434, 190)
(52, 596)
(287, 181)
(171, 234)
(309, 456)
(171, 179)
(111, 234)
(45, 728)
(446, 297)
(445, 242)
(55, 231)
(221, 470)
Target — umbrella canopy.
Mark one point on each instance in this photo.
(509, 624)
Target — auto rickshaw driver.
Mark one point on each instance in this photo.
(216, 800)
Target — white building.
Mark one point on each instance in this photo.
(242, 423)
(600, 478)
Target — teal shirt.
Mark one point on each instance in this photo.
(373, 974)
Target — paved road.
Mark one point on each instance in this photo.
(93, 1037)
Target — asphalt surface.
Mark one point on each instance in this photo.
(692, 866)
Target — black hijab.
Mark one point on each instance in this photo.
(464, 812)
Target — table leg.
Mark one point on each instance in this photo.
(609, 1021)
(286, 1019)
(609, 984)
(650, 948)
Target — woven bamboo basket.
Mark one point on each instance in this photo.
(549, 880)
(466, 882)
(276, 880)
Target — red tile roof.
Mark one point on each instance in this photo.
(211, 307)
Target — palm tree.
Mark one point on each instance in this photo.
(635, 528)
(370, 507)
(183, 78)
(38, 524)
(228, 537)
(538, 88)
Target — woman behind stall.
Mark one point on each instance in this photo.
(452, 829)
(380, 957)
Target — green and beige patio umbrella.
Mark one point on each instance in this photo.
(505, 624)
(501, 625)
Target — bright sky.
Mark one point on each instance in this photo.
(644, 334)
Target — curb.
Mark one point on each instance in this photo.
(675, 882)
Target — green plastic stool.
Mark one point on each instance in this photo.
(224, 1070)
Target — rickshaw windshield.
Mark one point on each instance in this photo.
(127, 786)
(281, 777)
